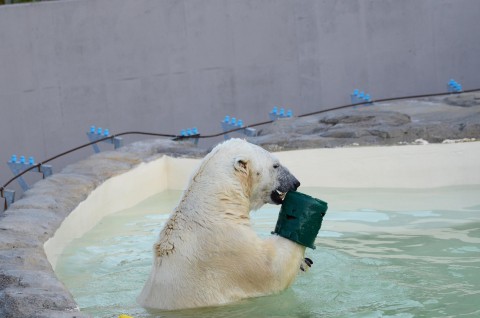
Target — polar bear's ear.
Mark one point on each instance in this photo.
(241, 165)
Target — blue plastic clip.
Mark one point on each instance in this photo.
(18, 167)
(97, 133)
(235, 123)
(354, 96)
(358, 97)
(453, 86)
(280, 113)
(190, 132)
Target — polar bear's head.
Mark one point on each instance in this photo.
(241, 167)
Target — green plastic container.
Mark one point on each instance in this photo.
(300, 218)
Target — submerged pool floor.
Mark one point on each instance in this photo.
(380, 253)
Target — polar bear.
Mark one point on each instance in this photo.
(207, 253)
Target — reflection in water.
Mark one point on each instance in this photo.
(380, 253)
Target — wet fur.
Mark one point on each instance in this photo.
(207, 253)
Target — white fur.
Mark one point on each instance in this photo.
(207, 253)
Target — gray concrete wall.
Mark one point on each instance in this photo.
(164, 65)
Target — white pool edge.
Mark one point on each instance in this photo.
(118, 193)
(414, 166)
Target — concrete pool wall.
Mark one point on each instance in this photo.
(66, 205)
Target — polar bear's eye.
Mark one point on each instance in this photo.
(276, 165)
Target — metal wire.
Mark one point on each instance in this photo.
(178, 137)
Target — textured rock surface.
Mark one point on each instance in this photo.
(403, 122)
(28, 285)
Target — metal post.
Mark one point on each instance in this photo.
(9, 196)
(16, 169)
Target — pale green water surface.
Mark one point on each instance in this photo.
(380, 253)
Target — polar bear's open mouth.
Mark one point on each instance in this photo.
(278, 196)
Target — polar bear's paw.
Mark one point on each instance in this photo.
(306, 264)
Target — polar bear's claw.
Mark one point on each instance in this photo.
(306, 264)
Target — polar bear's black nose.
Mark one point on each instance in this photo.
(287, 181)
(296, 184)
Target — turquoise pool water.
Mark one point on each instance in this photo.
(380, 253)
